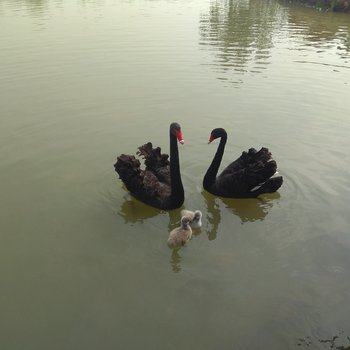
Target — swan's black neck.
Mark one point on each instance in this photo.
(177, 190)
(210, 176)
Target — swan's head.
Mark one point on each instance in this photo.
(175, 129)
(216, 133)
(197, 215)
(197, 219)
(185, 222)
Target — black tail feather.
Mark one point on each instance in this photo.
(270, 186)
(127, 167)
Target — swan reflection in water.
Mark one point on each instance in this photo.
(133, 210)
(248, 210)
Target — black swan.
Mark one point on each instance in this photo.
(247, 177)
(179, 236)
(159, 184)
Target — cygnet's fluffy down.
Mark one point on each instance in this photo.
(195, 217)
(180, 235)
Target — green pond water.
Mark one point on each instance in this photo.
(85, 266)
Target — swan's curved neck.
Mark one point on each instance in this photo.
(212, 171)
(177, 191)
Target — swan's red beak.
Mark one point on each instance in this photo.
(211, 138)
(180, 137)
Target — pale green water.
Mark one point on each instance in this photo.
(83, 267)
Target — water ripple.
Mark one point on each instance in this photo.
(245, 47)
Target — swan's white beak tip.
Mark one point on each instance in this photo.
(182, 142)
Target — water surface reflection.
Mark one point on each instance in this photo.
(77, 257)
(35, 8)
(248, 210)
(242, 34)
(133, 210)
(175, 261)
(320, 30)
